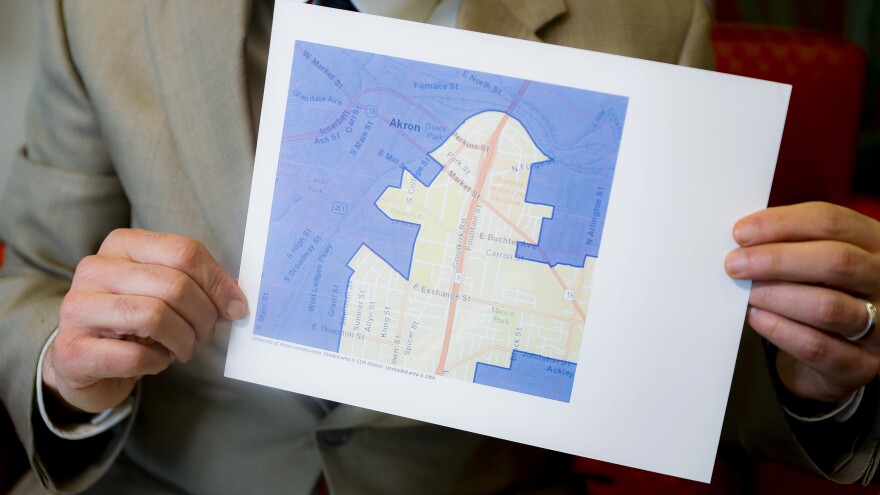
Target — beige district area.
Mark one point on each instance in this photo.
(469, 299)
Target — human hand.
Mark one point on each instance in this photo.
(814, 266)
(135, 307)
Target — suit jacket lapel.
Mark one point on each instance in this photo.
(513, 18)
(198, 53)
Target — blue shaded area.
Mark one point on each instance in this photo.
(355, 121)
(531, 374)
(580, 131)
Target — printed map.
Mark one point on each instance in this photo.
(438, 220)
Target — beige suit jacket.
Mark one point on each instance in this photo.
(140, 117)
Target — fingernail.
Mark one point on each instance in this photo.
(745, 232)
(236, 309)
(736, 263)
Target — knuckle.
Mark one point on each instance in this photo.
(153, 315)
(71, 307)
(763, 294)
(765, 323)
(116, 236)
(146, 314)
(215, 282)
(67, 351)
(126, 308)
(186, 251)
(830, 220)
(813, 350)
(88, 270)
(769, 260)
(844, 263)
(176, 287)
(776, 258)
(112, 237)
(773, 325)
(149, 271)
(831, 310)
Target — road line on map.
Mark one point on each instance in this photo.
(540, 250)
(474, 355)
(485, 166)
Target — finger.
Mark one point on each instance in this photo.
(110, 358)
(808, 222)
(818, 307)
(839, 362)
(833, 263)
(114, 275)
(115, 316)
(184, 254)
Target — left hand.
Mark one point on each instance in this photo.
(813, 264)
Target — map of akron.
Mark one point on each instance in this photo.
(438, 220)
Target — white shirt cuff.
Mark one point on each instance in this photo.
(98, 424)
(841, 413)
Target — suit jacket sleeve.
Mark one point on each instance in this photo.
(62, 198)
(841, 452)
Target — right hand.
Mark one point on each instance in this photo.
(134, 308)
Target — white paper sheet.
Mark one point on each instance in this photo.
(371, 225)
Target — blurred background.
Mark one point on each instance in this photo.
(829, 50)
(837, 59)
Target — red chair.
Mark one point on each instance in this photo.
(817, 158)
